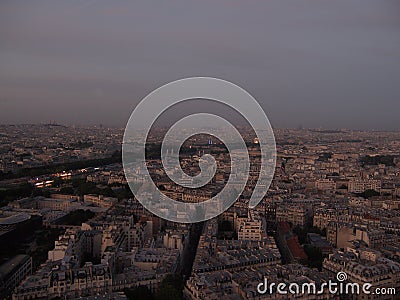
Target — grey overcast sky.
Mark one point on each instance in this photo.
(330, 64)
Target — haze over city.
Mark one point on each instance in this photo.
(330, 64)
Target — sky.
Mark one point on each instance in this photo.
(329, 64)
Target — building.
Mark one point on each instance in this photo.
(173, 241)
(365, 268)
(361, 185)
(17, 226)
(251, 230)
(69, 245)
(325, 185)
(294, 214)
(289, 244)
(319, 242)
(322, 216)
(56, 204)
(66, 281)
(99, 200)
(342, 235)
(13, 272)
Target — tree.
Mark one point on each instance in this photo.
(9, 194)
(368, 194)
(302, 232)
(315, 257)
(139, 293)
(170, 288)
(76, 217)
(67, 190)
(57, 181)
(225, 225)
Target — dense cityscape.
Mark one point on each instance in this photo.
(70, 227)
(199, 150)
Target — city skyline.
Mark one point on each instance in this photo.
(71, 225)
